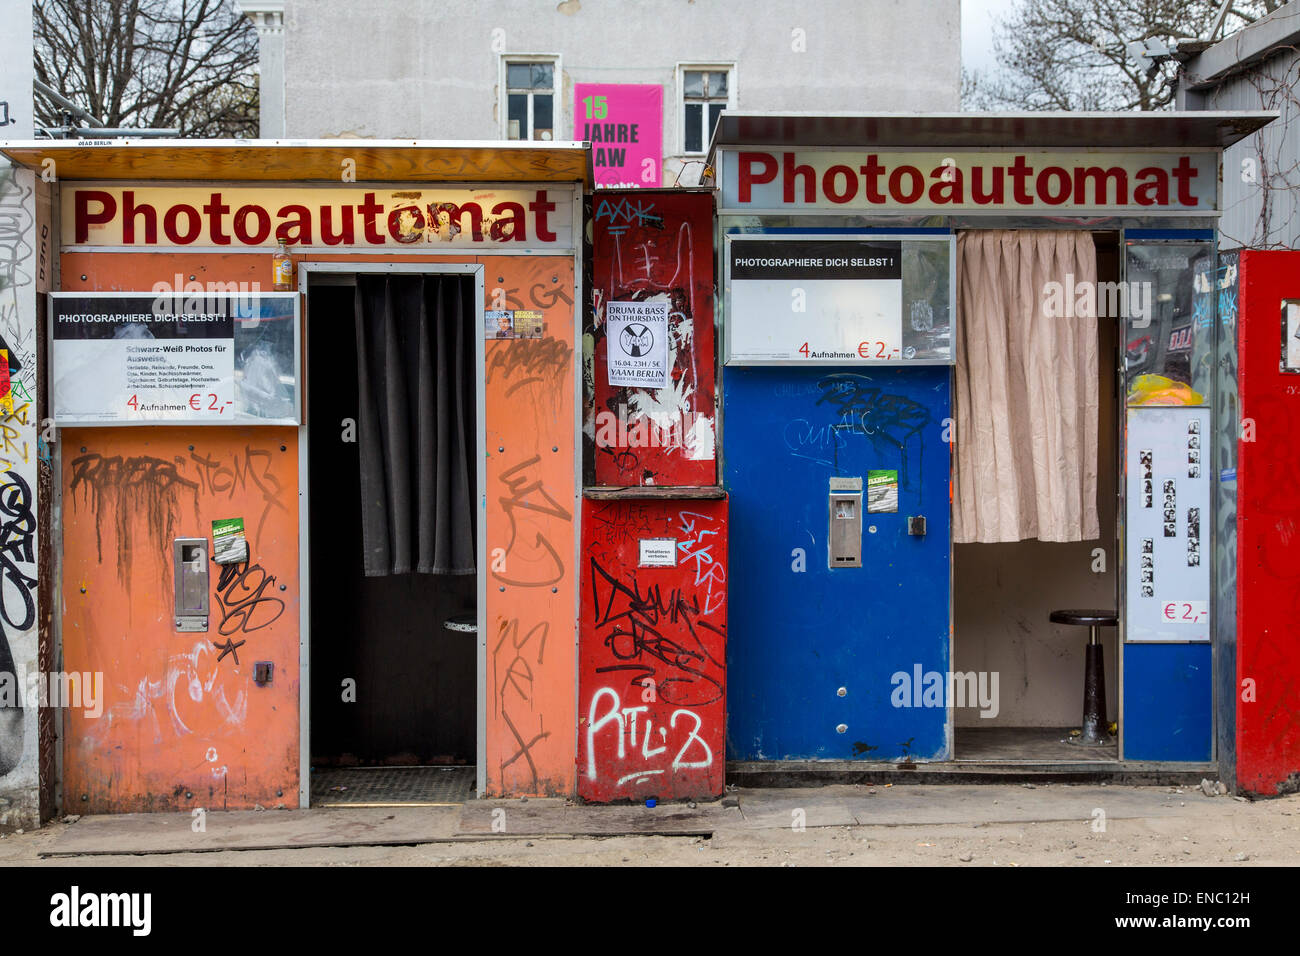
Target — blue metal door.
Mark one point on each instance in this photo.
(843, 663)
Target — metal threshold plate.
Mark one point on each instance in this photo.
(392, 786)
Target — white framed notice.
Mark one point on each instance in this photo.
(838, 300)
(657, 553)
(1167, 525)
(139, 358)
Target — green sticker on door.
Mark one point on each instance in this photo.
(229, 546)
(882, 492)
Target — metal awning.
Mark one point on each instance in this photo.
(1062, 130)
(256, 160)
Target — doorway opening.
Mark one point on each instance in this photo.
(1004, 593)
(393, 450)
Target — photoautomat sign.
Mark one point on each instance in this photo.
(241, 217)
(815, 300)
(1164, 182)
(636, 335)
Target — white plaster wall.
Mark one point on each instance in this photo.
(396, 69)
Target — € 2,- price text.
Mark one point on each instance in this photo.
(1185, 612)
(866, 350)
(200, 402)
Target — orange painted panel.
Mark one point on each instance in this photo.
(183, 724)
(531, 523)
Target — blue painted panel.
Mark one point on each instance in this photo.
(796, 636)
(1168, 698)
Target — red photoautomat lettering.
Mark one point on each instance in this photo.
(1020, 172)
(84, 218)
(789, 170)
(261, 230)
(871, 173)
(415, 233)
(1184, 173)
(829, 185)
(370, 212)
(129, 213)
(215, 211)
(171, 224)
(749, 177)
(541, 207)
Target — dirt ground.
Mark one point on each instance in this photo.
(966, 826)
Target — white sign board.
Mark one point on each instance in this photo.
(1168, 525)
(814, 300)
(212, 359)
(636, 335)
(657, 553)
(1291, 335)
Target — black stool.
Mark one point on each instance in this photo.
(1094, 672)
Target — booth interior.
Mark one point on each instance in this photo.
(1004, 591)
(392, 448)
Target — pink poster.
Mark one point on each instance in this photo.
(624, 123)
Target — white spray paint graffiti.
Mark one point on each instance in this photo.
(626, 719)
(197, 672)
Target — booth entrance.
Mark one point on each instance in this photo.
(1005, 593)
(394, 447)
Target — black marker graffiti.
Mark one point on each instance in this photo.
(636, 636)
(242, 598)
(880, 417)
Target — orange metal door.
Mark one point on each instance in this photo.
(183, 724)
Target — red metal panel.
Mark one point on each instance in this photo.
(656, 245)
(652, 651)
(1268, 534)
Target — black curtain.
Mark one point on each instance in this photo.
(415, 424)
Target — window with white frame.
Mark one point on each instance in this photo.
(706, 92)
(530, 98)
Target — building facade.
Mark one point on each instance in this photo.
(641, 81)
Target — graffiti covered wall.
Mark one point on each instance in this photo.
(530, 508)
(652, 658)
(531, 533)
(19, 457)
(654, 246)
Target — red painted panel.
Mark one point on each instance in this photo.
(653, 245)
(652, 651)
(1268, 534)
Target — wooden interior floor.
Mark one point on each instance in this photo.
(1026, 745)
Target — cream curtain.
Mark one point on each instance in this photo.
(1027, 384)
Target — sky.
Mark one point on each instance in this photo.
(977, 31)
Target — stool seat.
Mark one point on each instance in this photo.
(1089, 617)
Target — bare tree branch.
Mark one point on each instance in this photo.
(1072, 54)
(190, 64)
